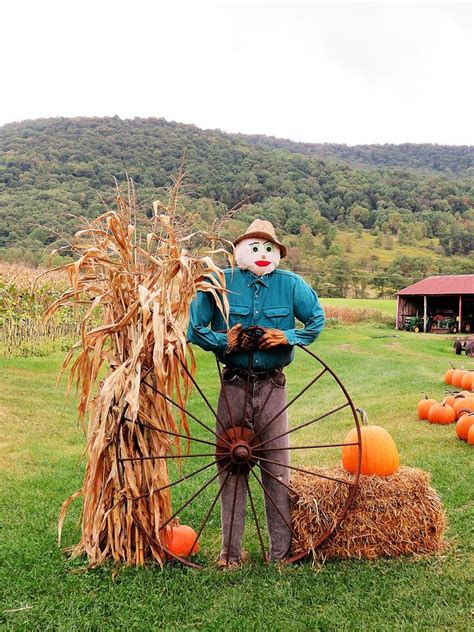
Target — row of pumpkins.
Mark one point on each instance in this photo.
(379, 453)
(455, 407)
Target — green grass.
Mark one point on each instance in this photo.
(384, 371)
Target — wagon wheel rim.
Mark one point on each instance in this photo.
(239, 453)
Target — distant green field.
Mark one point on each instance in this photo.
(40, 461)
(364, 246)
(387, 306)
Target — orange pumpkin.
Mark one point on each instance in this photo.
(462, 404)
(470, 435)
(441, 414)
(457, 377)
(467, 381)
(448, 376)
(179, 540)
(379, 452)
(463, 424)
(424, 405)
(449, 399)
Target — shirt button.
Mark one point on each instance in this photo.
(256, 311)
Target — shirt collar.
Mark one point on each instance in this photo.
(254, 278)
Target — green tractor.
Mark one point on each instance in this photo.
(414, 323)
(444, 323)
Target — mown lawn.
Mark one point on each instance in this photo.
(384, 371)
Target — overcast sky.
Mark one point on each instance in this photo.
(345, 72)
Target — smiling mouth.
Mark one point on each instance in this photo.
(262, 263)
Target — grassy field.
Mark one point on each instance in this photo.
(384, 371)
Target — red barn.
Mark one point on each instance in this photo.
(443, 303)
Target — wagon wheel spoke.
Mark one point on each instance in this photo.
(231, 527)
(169, 432)
(180, 480)
(259, 446)
(207, 402)
(300, 469)
(255, 517)
(270, 392)
(247, 384)
(311, 447)
(292, 401)
(191, 498)
(166, 456)
(208, 514)
(267, 495)
(224, 392)
(186, 412)
(267, 471)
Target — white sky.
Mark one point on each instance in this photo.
(348, 72)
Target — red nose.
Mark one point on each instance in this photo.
(262, 263)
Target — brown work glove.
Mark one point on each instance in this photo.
(272, 338)
(234, 338)
(251, 337)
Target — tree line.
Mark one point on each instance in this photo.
(53, 170)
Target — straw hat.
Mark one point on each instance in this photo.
(262, 229)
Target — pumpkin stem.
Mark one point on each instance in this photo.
(452, 365)
(363, 416)
(423, 393)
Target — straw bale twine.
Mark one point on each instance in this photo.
(390, 516)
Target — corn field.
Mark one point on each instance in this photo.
(349, 315)
(25, 294)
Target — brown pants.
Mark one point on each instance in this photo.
(232, 531)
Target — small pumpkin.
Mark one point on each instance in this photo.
(463, 424)
(441, 414)
(424, 405)
(379, 452)
(179, 540)
(449, 399)
(462, 404)
(470, 435)
(448, 376)
(467, 381)
(457, 377)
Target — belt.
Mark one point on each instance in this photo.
(228, 374)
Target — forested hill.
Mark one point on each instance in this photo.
(51, 171)
(446, 159)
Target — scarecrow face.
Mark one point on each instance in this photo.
(257, 255)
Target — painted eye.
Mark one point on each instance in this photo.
(268, 248)
(254, 248)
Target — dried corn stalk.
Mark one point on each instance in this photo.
(143, 293)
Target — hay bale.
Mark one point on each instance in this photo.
(390, 516)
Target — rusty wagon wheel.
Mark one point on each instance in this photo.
(239, 450)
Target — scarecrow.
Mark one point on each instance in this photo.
(264, 302)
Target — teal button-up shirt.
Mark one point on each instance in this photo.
(272, 300)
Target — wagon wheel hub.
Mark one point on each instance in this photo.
(240, 452)
(235, 447)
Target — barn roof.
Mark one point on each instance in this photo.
(453, 284)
